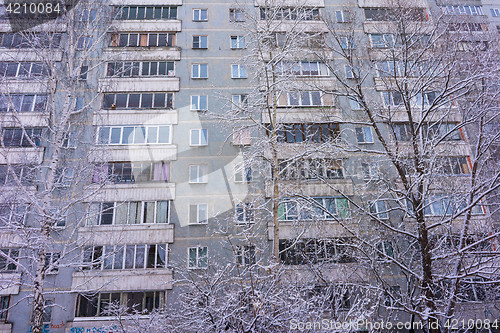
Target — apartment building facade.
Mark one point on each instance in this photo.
(167, 178)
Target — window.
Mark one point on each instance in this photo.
(23, 173)
(83, 73)
(385, 250)
(242, 137)
(84, 43)
(317, 168)
(198, 137)
(13, 214)
(236, 15)
(200, 15)
(131, 212)
(454, 165)
(31, 40)
(199, 102)
(302, 98)
(342, 16)
(8, 259)
(134, 135)
(495, 12)
(52, 261)
(244, 212)
(4, 307)
(239, 71)
(318, 208)
(198, 213)
(370, 171)
(198, 174)
(128, 172)
(347, 43)
(238, 42)
(392, 98)
(157, 100)
(350, 71)
(136, 256)
(379, 209)
(382, 40)
(96, 305)
(200, 42)
(24, 70)
(364, 135)
(144, 13)
(472, 290)
(162, 39)
(468, 27)
(88, 15)
(19, 137)
(302, 68)
(435, 131)
(242, 173)
(137, 68)
(322, 132)
(389, 14)
(23, 103)
(289, 13)
(47, 310)
(390, 69)
(440, 205)
(312, 251)
(442, 131)
(245, 255)
(199, 71)
(462, 10)
(198, 257)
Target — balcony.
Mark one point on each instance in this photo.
(147, 191)
(118, 280)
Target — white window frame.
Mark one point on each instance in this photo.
(51, 258)
(241, 171)
(147, 129)
(239, 70)
(239, 101)
(198, 257)
(367, 133)
(199, 67)
(242, 136)
(495, 12)
(342, 16)
(301, 102)
(197, 102)
(236, 15)
(370, 171)
(200, 135)
(239, 42)
(202, 42)
(201, 208)
(198, 15)
(379, 209)
(97, 209)
(200, 173)
(247, 213)
(347, 43)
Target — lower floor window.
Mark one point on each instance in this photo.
(104, 304)
(312, 251)
(4, 307)
(198, 257)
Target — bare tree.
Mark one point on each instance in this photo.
(47, 104)
(421, 98)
